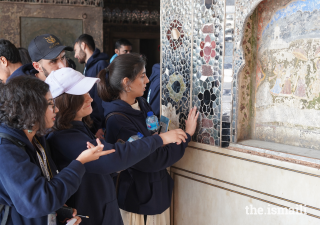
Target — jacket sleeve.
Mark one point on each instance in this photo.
(30, 192)
(126, 154)
(162, 158)
(99, 111)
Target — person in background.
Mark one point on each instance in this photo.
(145, 189)
(122, 46)
(86, 52)
(71, 63)
(25, 57)
(153, 97)
(10, 59)
(47, 54)
(96, 196)
(31, 188)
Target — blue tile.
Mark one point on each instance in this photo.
(230, 2)
(228, 59)
(228, 49)
(227, 66)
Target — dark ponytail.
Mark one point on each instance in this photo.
(110, 85)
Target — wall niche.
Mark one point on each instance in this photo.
(279, 86)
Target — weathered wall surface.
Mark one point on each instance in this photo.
(287, 76)
(65, 21)
(218, 186)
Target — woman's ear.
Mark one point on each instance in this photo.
(125, 82)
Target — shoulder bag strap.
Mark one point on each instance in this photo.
(14, 140)
(6, 214)
(22, 145)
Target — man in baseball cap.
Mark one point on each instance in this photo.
(47, 54)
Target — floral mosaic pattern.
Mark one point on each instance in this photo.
(176, 87)
(176, 26)
(175, 34)
(207, 68)
(214, 78)
(207, 48)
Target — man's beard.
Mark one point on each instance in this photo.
(82, 57)
(45, 72)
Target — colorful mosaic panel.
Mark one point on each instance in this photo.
(176, 25)
(208, 45)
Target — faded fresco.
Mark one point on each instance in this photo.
(287, 73)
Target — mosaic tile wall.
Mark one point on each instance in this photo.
(176, 45)
(208, 45)
(201, 57)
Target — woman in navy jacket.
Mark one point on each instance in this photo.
(146, 187)
(96, 196)
(27, 111)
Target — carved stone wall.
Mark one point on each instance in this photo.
(11, 15)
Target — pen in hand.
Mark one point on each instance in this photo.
(83, 216)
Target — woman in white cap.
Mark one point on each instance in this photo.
(96, 196)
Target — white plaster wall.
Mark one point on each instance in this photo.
(223, 182)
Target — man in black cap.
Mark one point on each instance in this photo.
(47, 54)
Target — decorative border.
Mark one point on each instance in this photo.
(246, 188)
(240, 193)
(243, 10)
(254, 161)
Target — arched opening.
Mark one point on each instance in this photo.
(279, 85)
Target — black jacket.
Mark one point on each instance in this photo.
(96, 196)
(96, 63)
(23, 187)
(146, 187)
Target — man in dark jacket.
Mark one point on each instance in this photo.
(154, 89)
(47, 54)
(10, 59)
(122, 46)
(86, 52)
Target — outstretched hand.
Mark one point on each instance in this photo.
(173, 136)
(191, 122)
(93, 152)
(74, 214)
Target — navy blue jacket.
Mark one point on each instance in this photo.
(96, 63)
(146, 187)
(24, 188)
(154, 90)
(26, 69)
(96, 196)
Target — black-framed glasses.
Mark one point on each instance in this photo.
(53, 103)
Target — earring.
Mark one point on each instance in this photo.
(29, 131)
(127, 89)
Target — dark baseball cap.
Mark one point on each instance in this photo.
(46, 46)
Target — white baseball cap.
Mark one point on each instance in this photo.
(70, 81)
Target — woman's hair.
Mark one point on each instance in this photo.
(126, 65)
(24, 55)
(68, 106)
(23, 103)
